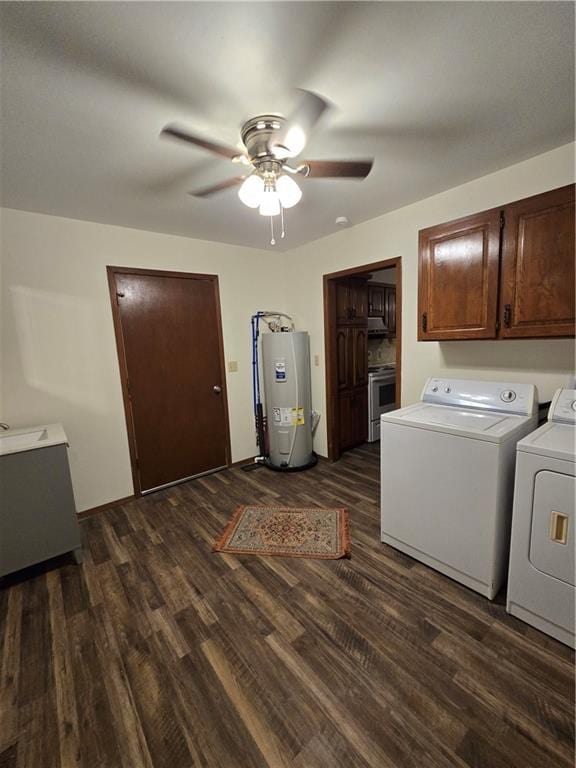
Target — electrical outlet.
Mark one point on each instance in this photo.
(317, 360)
(232, 366)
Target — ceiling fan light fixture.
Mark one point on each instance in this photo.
(270, 204)
(252, 190)
(288, 191)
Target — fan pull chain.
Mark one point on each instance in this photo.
(282, 233)
(272, 240)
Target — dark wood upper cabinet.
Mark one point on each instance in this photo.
(503, 273)
(458, 280)
(376, 299)
(351, 301)
(389, 316)
(537, 296)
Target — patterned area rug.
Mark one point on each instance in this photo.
(287, 532)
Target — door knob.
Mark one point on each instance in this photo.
(217, 389)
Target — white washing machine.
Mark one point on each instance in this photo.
(541, 580)
(447, 470)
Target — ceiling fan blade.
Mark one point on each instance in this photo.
(219, 187)
(181, 134)
(291, 139)
(330, 169)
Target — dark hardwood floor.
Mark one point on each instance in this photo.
(157, 652)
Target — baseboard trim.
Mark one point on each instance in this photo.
(117, 502)
(104, 507)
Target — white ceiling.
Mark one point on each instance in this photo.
(439, 93)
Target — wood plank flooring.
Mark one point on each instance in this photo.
(157, 653)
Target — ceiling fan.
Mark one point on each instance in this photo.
(270, 143)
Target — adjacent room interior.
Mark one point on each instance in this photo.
(287, 384)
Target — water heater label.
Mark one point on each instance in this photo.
(297, 416)
(280, 369)
(288, 417)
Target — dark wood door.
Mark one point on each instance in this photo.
(538, 266)
(168, 331)
(376, 300)
(458, 282)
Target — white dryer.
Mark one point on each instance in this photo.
(447, 471)
(541, 580)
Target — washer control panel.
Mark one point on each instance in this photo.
(486, 395)
(563, 407)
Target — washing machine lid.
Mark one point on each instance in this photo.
(492, 426)
(553, 439)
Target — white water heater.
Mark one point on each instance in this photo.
(288, 399)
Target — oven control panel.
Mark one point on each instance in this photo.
(486, 395)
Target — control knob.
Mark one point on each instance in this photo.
(508, 396)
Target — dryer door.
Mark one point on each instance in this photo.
(552, 535)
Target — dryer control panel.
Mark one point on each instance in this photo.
(501, 396)
(563, 406)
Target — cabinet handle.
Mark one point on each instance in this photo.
(507, 315)
(424, 321)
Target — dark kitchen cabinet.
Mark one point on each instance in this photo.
(503, 273)
(376, 300)
(351, 301)
(353, 417)
(351, 357)
(382, 303)
(352, 360)
(389, 316)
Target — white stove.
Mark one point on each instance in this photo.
(381, 396)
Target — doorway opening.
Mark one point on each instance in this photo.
(171, 356)
(363, 342)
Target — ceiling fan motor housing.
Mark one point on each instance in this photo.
(256, 137)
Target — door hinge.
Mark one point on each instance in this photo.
(502, 220)
(507, 315)
(424, 322)
(497, 325)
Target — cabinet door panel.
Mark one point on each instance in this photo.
(359, 415)
(376, 300)
(360, 356)
(345, 421)
(343, 358)
(458, 282)
(538, 266)
(359, 300)
(389, 318)
(343, 312)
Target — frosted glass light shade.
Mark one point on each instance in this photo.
(252, 190)
(270, 205)
(288, 191)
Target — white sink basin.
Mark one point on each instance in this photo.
(23, 439)
(30, 438)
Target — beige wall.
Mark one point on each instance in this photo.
(59, 355)
(60, 359)
(547, 363)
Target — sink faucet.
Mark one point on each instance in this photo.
(4, 426)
